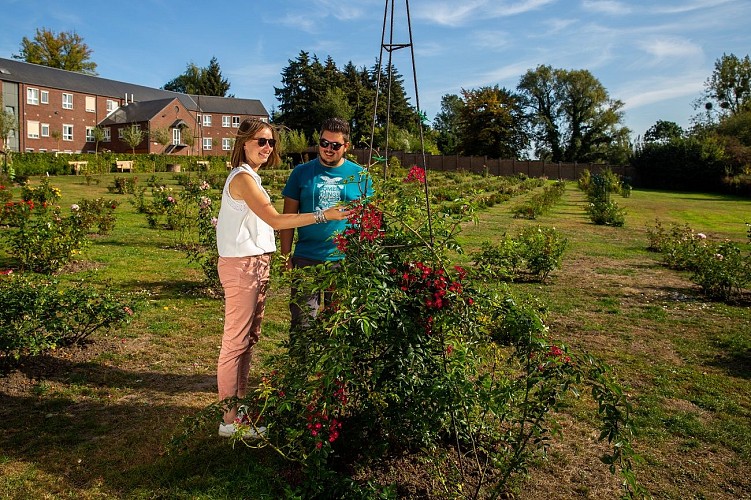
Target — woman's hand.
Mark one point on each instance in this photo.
(336, 213)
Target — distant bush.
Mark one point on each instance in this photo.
(722, 269)
(40, 314)
(536, 250)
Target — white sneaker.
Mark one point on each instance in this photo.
(229, 430)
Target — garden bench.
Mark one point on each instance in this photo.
(123, 165)
(78, 166)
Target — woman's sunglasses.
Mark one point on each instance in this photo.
(262, 141)
(336, 146)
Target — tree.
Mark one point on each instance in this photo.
(57, 135)
(98, 134)
(188, 138)
(294, 142)
(213, 82)
(729, 86)
(65, 50)
(492, 123)
(8, 124)
(540, 89)
(334, 102)
(200, 81)
(446, 123)
(360, 90)
(133, 136)
(161, 136)
(312, 92)
(393, 101)
(297, 94)
(571, 115)
(663, 131)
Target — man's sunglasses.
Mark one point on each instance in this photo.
(262, 141)
(336, 146)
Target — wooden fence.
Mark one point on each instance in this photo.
(482, 164)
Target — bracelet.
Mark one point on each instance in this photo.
(319, 217)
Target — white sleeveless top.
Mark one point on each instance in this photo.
(239, 231)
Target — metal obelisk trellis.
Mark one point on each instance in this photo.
(390, 47)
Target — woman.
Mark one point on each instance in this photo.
(245, 240)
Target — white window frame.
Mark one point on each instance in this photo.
(89, 134)
(44, 97)
(32, 129)
(44, 129)
(32, 96)
(67, 101)
(226, 143)
(226, 120)
(235, 121)
(107, 134)
(111, 106)
(90, 104)
(207, 143)
(206, 120)
(177, 136)
(67, 132)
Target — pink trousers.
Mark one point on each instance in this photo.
(245, 280)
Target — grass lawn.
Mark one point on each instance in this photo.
(94, 421)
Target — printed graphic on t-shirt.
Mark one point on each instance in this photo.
(329, 191)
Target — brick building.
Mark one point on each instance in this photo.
(58, 110)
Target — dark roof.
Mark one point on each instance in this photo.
(35, 74)
(227, 105)
(136, 112)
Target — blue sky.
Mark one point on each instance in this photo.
(653, 55)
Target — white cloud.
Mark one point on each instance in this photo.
(460, 14)
(298, 21)
(610, 7)
(512, 9)
(646, 93)
(448, 13)
(691, 6)
(491, 40)
(559, 25)
(666, 48)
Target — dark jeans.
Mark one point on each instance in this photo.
(304, 303)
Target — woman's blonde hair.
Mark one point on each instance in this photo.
(247, 131)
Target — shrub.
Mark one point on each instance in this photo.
(601, 209)
(538, 250)
(500, 260)
(99, 213)
(43, 195)
(543, 249)
(721, 270)
(678, 246)
(123, 185)
(204, 251)
(540, 203)
(5, 194)
(45, 243)
(40, 314)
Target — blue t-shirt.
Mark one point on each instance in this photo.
(317, 186)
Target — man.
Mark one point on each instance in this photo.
(321, 183)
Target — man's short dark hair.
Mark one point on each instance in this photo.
(336, 125)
